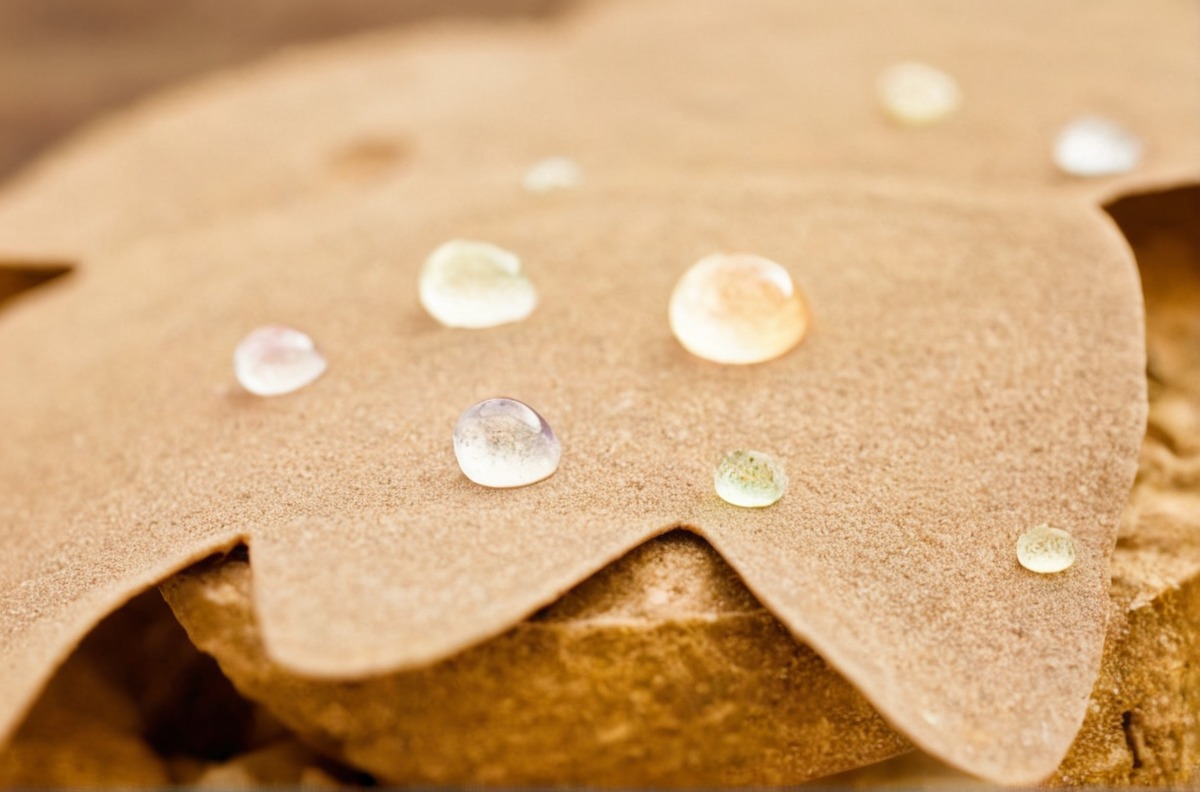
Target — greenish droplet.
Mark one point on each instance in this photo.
(750, 478)
(475, 285)
(1046, 550)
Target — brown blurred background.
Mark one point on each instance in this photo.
(65, 61)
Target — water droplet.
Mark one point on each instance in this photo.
(554, 173)
(737, 308)
(1095, 146)
(917, 94)
(274, 360)
(505, 443)
(750, 478)
(1044, 549)
(475, 285)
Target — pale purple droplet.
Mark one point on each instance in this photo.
(274, 360)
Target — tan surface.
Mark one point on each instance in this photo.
(662, 670)
(509, 711)
(630, 85)
(1154, 638)
(119, 479)
(64, 61)
(672, 599)
(1143, 723)
(372, 552)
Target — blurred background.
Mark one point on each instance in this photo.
(64, 61)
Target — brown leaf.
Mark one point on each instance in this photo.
(975, 366)
(974, 369)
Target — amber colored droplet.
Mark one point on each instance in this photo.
(916, 94)
(737, 308)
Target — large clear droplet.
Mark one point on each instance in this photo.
(1095, 146)
(475, 285)
(505, 443)
(553, 173)
(917, 94)
(1046, 550)
(737, 308)
(750, 478)
(274, 360)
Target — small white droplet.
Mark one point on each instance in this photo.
(274, 360)
(737, 308)
(750, 478)
(917, 94)
(1046, 550)
(1095, 146)
(475, 285)
(505, 443)
(553, 173)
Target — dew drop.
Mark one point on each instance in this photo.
(737, 308)
(750, 478)
(274, 360)
(475, 285)
(505, 443)
(916, 94)
(553, 173)
(1095, 146)
(1046, 550)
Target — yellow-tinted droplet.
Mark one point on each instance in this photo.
(750, 478)
(1046, 550)
(475, 285)
(737, 308)
(916, 94)
(554, 173)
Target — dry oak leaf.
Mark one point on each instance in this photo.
(697, 85)
(975, 367)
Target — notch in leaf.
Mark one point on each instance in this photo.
(17, 277)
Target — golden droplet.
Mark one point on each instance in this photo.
(737, 308)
